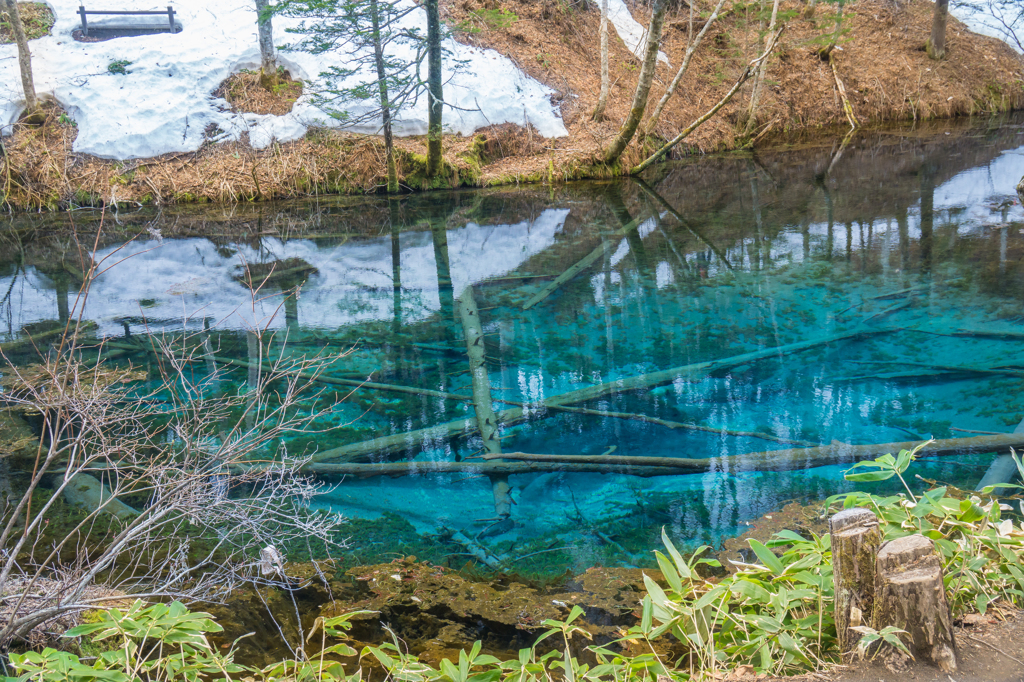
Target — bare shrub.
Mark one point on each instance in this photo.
(181, 486)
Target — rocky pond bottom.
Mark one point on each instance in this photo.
(726, 314)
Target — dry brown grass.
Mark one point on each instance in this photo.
(245, 94)
(887, 76)
(36, 17)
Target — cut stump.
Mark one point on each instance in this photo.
(909, 594)
(855, 540)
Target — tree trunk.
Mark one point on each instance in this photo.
(755, 93)
(643, 86)
(910, 595)
(855, 540)
(602, 100)
(937, 43)
(653, 121)
(485, 418)
(24, 57)
(435, 96)
(826, 51)
(268, 59)
(809, 10)
(385, 107)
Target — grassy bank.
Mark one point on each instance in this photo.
(882, 63)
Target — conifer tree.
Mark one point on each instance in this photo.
(373, 37)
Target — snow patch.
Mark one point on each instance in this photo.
(632, 33)
(165, 103)
(989, 19)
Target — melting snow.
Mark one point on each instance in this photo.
(165, 104)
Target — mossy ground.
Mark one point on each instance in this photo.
(36, 18)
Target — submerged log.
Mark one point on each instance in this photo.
(394, 469)
(910, 595)
(1002, 470)
(681, 425)
(855, 539)
(387, 445)
(577, 267)
(87, 492)
(486, 422)
(790, 459)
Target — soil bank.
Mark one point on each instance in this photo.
(881, 61)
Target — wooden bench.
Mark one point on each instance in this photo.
(129, 28)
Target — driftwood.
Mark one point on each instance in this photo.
(855, 539)
(399, 442)
(577, 267)
(910, 595)
(486, 422)
(771, 460)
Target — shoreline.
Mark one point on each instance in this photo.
(890, 80)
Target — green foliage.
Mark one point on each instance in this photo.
(982, 553)
(36, 20)
(357, 92)
(119, 66)
(158, 642)
(774, 613)
(495, 18)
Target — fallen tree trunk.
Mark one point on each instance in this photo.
(386, 445)
(772, 460)
(746, 74)
(683, 425)
(486, 422)
(578, 267)
(87, 492)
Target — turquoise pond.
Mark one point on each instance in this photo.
(914, 233)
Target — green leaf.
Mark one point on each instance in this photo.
(767, 557)
(655, 592)
(677, 558)
(647, 614)
(669, 572)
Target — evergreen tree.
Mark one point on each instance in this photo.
(374, 37)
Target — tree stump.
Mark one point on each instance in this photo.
(910, 595)
(855, 540)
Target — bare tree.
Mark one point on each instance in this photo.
(268, 57)
(602, 100)
(936, 45)
(24, 57)
(691, 48)
(755, 92)
(435, 95)
(204, 509)
(643, 86)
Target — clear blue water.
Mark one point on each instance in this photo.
(914, 231)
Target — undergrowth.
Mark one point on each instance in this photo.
(774, 614)
(36, 18)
